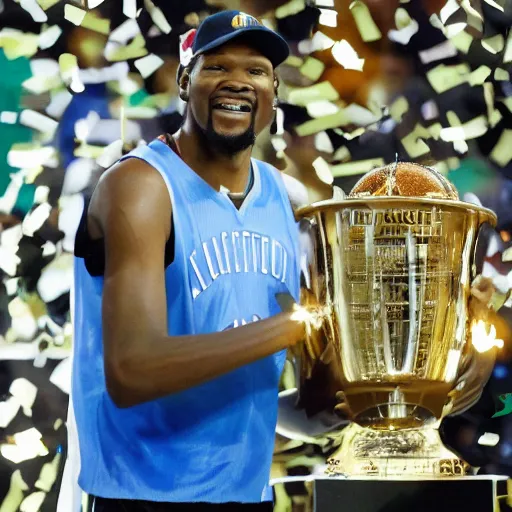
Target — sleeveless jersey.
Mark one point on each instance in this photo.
(213, 442)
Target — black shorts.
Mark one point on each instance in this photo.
(108, 505)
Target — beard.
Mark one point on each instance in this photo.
(229, 144)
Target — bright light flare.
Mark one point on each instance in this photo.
(482, 339)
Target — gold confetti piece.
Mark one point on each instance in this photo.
(69, 73)
(148, 65)
(502, 152)
(14, 497)
(507, 56)
(323, 171)
(41, 84)
(88, 151)
(141, 112)
(398, 108)
(321, 108)
(35, 10)
(158, 17)
(312, 68)
(48, 473)
(33, 502)
(346, 56)
(462, 41)
(414, 144)
(322, 123)
(294, 61)
(358, 167)
(74, 14)
(443, 78)
(304, 95)
(48, 37)
(328, 18)
(46, 4)
(342, 154)
(470, 130)
(130, 8)
(92, 22)
(367, 28)
(501, 74)
(290, 8)
(8, 117)
(474, 18)
(435, 130)
(494, 44)
(135, 49)
(495, 118)
(479, 76)
(18, 44)
(507, 255)
(494, 4)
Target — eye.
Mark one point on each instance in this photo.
(214, 68)
(257, 71)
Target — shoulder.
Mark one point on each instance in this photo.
(297, 192)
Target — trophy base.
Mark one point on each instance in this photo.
(336, 494)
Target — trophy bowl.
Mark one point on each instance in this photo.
(389, 271)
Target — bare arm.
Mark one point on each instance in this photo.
(132, 209)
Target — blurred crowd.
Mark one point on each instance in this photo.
(369, 82)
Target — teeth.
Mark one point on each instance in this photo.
(236, 108)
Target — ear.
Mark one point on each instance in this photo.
(184, 83)
(276, 84)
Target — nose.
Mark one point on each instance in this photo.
(236, 87)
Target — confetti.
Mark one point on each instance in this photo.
(25, 394)
(494, 4)
(474, 18)
(494, 44)
(502, 151)
(148, 65)
(321, 108)
(480, 75)
(501, 74)
(126, 31)
(34, 9)
(507, 253)
(367, 28)
(8, 117)
(130, 8)
(398, 108)
(449, 8)
(322, 123)
(322, 91)
(49, 471)
(323, 171)
(38, 122)
(49, 36)
(74, 14)
(324, 3)
(135, 49)
(347, 56)
(27, 156)
(290, 8)
(312, 68)
(358, 167)
(443, 78)
(158, 17)
(323, 143)
(407, 27)
(58, 104)
(69, 72)
(35, 219)
(46, 4)
(96, 24)
(506, 400)
(462, 41)
(328, 17)
(321, 42)
(470, 130)
(507, 56)
(342, 154)
(18, 44)
(413, 144)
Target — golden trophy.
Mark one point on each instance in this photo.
(396, 341)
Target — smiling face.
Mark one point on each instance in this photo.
(230, 94)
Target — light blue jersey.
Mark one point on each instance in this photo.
(213, 442)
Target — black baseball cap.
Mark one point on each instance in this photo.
(224, 26)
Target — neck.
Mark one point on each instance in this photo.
(217, 169)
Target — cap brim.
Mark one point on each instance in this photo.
(268, 42)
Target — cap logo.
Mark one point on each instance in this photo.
(243, 20)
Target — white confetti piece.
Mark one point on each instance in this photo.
(35, 219)
(321, 42)
(321, 108)
(494, 4)
(507, 56)
(85, 126)
(34, 9)
(25, 393)
(111, 154)
(39, 122)
(449, 8)
(8, 117)
(74, 14)
(68, 64)
(323, 143)
(342, 154)
(92, 4)
(8, 411)
(368, 30)
(61, 376)
(474, 18)
(148, 64)
(158, 17)
(407, 27)
(328, 17)
(323, 171)
(71, 209)
(49, 36)
(126, 31)
(78, 175)
(58, 104)
(470, 130)
(347, 56)
(130, 8)
(48, 474)
(290, 8)
(507, 254)
(324, 3)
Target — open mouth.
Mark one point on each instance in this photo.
(233, 106)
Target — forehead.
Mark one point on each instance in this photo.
(237, 49)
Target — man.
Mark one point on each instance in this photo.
(184, 240)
